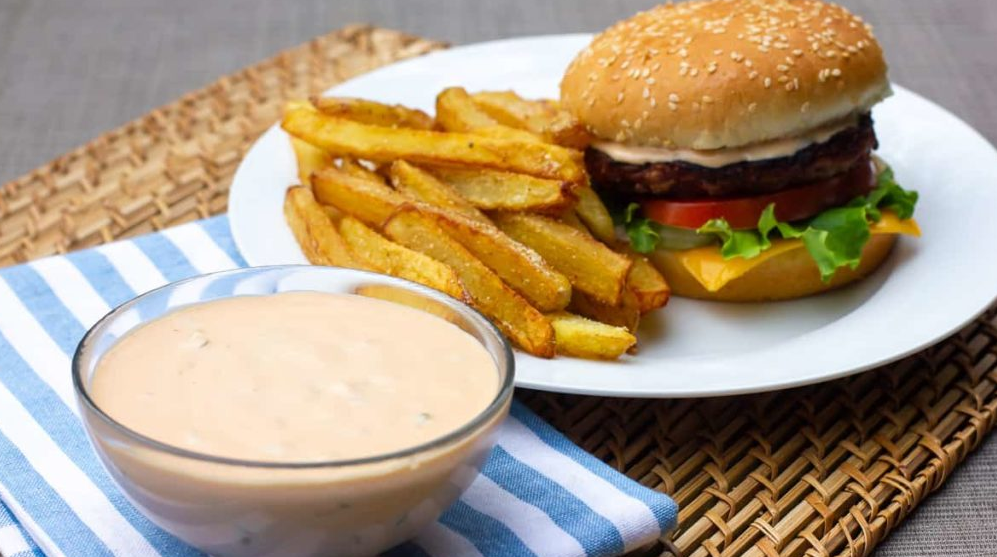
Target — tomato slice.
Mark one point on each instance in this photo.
(793, 204)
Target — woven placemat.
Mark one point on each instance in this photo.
(827, 470)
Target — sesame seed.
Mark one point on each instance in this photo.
(712, 67)
(718, 52)
(768, 82)
(805, 107)
(694, 72)
(619, 97)
(673, 97)
(782, 68)
(752, 75)
(673, 107)
(707, 99)
(647, 93)
(752, 107)
(654, 102)
(789, 86)
(836, 72)
(650, 81)
(783, 79)
(625, 65)
(797, 52)
(645, 72)
(749, 63)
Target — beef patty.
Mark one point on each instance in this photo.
(683, 180)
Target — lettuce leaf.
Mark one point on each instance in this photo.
(834, 238)
(643, 236)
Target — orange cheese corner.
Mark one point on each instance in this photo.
(714, 272)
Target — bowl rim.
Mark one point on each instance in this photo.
(483, 325)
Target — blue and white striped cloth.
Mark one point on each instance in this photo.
(538, 495)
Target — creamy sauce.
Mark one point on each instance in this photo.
(296, 377)
(716, 158)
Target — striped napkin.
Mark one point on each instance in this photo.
(539, 494)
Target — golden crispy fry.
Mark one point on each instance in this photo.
(519, 266)
(591, 267)
(542, 118)
(647, 284)
(595, 215)
(379, 144)
(384, 256)
(310, 159)
(421, 185)
(408, 298)
(456, 112)
(624, 314)
(517, 319)
(578, 336)
(313, 230)
(353, 167)
(371, 202)
(512, 134)
(334, 214)
(571, 219)
(507, 191)
(374, 113)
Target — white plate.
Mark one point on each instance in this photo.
(929, 287)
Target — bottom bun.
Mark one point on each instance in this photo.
(789, 275)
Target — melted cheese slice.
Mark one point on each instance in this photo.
(713, 272)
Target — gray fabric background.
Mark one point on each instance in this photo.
(71, 69)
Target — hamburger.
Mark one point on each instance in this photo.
(734, 144)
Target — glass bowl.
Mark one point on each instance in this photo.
(241, 508)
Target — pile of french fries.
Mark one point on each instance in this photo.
(488, 202)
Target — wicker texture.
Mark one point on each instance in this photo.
(820, 471)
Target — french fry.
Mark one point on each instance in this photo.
(353, 167)
(421, 185)
(384, 256)
(578, 336)
(571, 219)
(625, 314)
(648, 286)
(520, 321)
(591, 267)
(595, 215)
(510, 134)
(371, 202)
(374, 113)
(456, 112)
(313, 230)
(380, 144)
(494, 190)
(334, 214)
(542, 118)
(519, 266)
(310, 159)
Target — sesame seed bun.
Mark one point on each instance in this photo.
(725, 73)
(789, 275)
